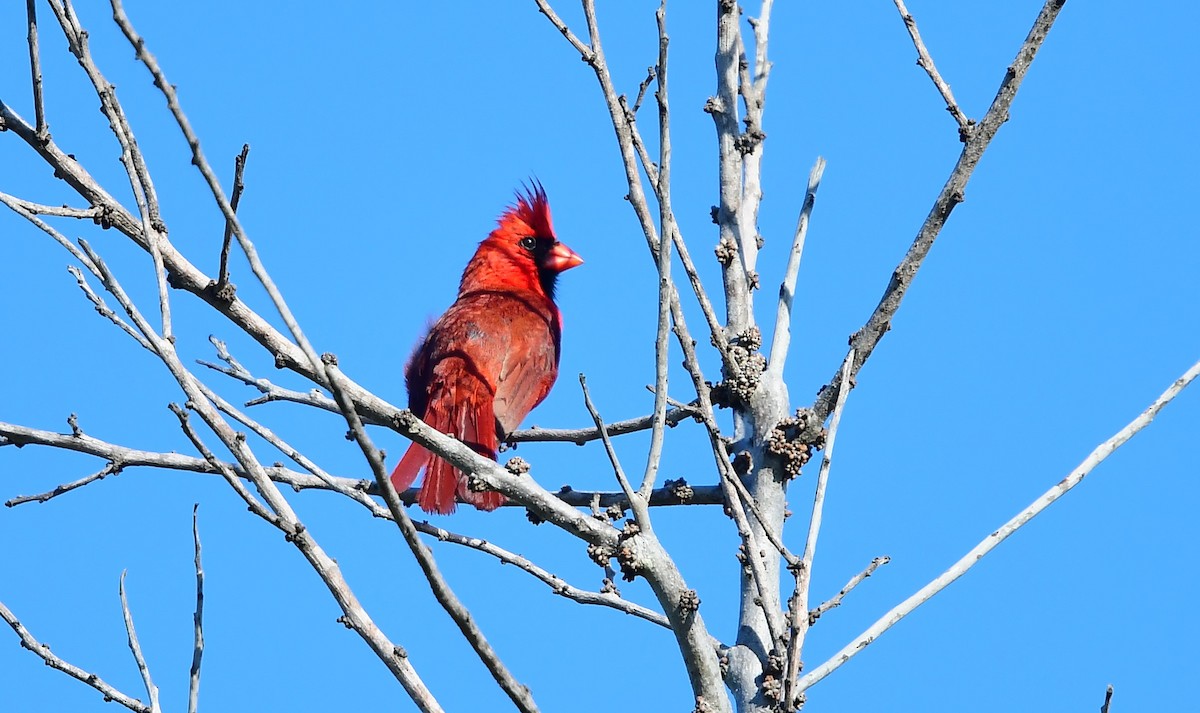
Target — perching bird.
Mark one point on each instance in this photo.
(493, 355)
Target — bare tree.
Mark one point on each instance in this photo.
(759, 439)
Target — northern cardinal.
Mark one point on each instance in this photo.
(493, 355)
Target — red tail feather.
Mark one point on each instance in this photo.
(415, 458)
(437, 490)
(468, 417)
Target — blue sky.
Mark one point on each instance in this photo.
(1058, 302)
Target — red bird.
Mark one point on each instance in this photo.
(493, 355)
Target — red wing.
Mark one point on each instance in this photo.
(490, 359)
(508, 340)
(528, 368)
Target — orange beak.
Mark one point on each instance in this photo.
(562, 258)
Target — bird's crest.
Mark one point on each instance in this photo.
(533, 209)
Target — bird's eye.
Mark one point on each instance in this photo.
(529, 243)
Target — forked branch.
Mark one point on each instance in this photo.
(42, 651)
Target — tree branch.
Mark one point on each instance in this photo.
(736, 265)
(28, 211)
(864, 341)
(140, 183)
(280, 513)
(632, 150)
(35, 71)
(989, 543)
(637, 503)
(197, 621)
(43, 651)
(62, 211)
(239, 167)
(136, 648)
(676, 493)
(925, 61)
(201, 163)
(518, 693)
(782, 336)
(836, 600)
(358, 491)
(798, 604)
(557, 585)
(666, 219)
(111, 469)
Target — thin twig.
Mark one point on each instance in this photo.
(105, 311)
(239, 166)
(836, 600)
(283, 518)
(534, 434)
(632, 151)
(637, 104)
(814, 523)
(666, 218)
(197, 620)
(753, 90)
(518, 693)
(185, 275)
(637, 502)
(1108, 694)
(578, 44)
(762, 66)
(27, 211)
(639, 146)
(23, 209)
(645, 555)
(864, 341)
(53, 661)
(132, 159)
(226, 470)
(925, 61)
(556, 583)
(148, 338)
(718, 332)
(110, 469)
(35, 70)
(136, 647)
(201, 163)
(782, 337)
(579, 436)
(350, 489)
(12, 434)
(798, 603)
(59, 211)
(969, 560)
